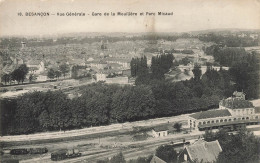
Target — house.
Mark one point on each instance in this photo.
(242, 35)
(253, 36)
(160, 131)
(233, 112)
(100, 77)
(126, 72)
(42, 77)
(201, 151)
(156, 159)
(36, 66)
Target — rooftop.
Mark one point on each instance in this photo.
(34, 62)
(211, 114)
(156, 159)
(239, 94)
(160, 128)
(236, 103)
(204, 151)
(237, 122)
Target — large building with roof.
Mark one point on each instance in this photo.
(201, 151)
(233, 112)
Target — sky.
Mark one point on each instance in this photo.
(188, 15)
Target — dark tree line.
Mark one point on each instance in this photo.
(160, 65)
(138, 66)
(102, 104)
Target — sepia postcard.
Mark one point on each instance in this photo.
(134, 81)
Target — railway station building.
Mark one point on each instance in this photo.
(233, 112)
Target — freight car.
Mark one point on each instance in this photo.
(65, 154)
(21, 151)
(38, 150)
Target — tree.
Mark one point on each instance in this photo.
(238, 148)
(20, 73)
(64, 68)
(197, 72)
(74, 72)
(32, 77)
(166, 153)
(5, 78)
(51, 73)
(177, 126)
(57, 74)
(119, 158)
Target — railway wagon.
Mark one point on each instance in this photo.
(65, 154)
(38, 150)
(21, 151)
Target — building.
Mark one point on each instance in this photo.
(42, 77)
(117, 80)
(201, 151)
(233, 112)
(124, 62)
(161, 131)
(100, 77)
(36, 66)
(253, 36)
(156, 159)
(97, 64)
(23, 45)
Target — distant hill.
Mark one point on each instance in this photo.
(223, 31)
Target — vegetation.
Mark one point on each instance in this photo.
(166, 153)
(118, 158)
(238, 148)
(53, 73)
(142, 159)
(19, 74)
(244, 68)
(177, 126)
(64, 69)
(102, 104)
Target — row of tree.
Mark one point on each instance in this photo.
(102, 104)
(159, 66)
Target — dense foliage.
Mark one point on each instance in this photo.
(142, 159)
(166, 153)
(238, 148)
(244, 68)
